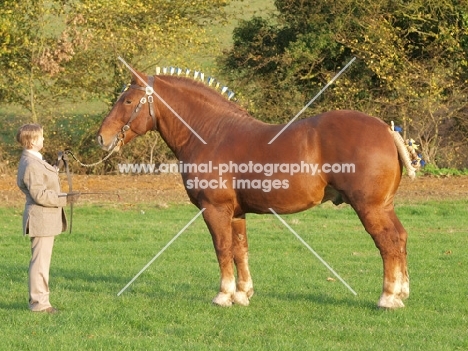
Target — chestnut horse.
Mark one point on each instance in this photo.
(218, 132)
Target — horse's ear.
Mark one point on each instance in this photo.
(134, 77)
(137, 78)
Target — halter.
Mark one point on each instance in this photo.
(147, 98)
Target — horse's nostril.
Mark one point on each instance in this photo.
(99, 140)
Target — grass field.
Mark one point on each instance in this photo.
(295, 306)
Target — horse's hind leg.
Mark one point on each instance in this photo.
(240, 250)
(390, 238)
(405, 291)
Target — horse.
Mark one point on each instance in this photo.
(202, 127)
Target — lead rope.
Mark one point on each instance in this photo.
(69, 177)
(70, 189)
(69, 152)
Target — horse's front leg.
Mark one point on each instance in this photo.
(240, 250)
(218, 221)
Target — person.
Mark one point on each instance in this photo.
(43, 217)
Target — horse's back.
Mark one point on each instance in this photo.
(348, 124)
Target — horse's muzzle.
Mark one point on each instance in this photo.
(112, 145)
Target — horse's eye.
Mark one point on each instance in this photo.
(128, 102)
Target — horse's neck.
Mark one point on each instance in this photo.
(201, 118)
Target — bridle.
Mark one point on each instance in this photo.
(147, 98)
(119, 138)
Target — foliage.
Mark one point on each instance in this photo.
(38, 38)
(55, 52)
(411, 66)
(61, 49)
(168, 307)
(443, 172)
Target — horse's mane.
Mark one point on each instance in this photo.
(209, 87)
(198, 77)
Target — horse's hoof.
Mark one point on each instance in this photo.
(223, 300)
(390, 302)
(241, 298)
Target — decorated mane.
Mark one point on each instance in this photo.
(197, 76)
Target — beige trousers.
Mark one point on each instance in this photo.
(41, 254)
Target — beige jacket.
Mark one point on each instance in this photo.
(39, 181)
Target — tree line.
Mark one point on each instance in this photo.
(55, 53)
(411, 66)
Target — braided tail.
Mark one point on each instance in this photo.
(407, 153)
(404, 154)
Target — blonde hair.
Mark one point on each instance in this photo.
(28, 133)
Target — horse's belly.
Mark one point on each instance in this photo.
(281, 195)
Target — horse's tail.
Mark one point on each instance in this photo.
(407, 154)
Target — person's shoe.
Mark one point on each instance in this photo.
(49, 310)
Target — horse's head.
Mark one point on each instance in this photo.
(133, 114)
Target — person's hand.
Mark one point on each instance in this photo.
(73, 197)
(62, 157)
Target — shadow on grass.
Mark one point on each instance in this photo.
(14, 274)
(85, 281)
(323, 299)
(14, 305)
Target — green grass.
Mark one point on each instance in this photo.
(294, 307)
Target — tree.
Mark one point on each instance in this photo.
(411, 65)
(54, 52)
(59, 49)
(416, 55)
(37, 39)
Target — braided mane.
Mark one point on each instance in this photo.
(199, 77)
